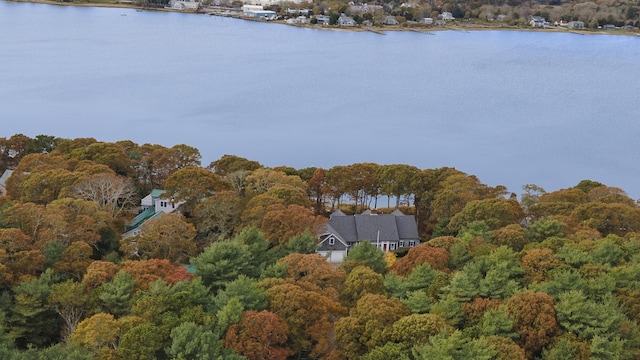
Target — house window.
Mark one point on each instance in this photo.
(332, 240)
(401, 243)
(392, 246)
(412, 243)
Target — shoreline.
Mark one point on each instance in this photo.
(380, 30)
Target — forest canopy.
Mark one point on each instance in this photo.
(234, 273)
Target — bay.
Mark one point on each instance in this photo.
(512, 107)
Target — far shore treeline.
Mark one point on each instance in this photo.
(234, 273)
(395, 15)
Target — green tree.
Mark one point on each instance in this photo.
(192, 341)
(116, 296)
(455, 347)
(366, 253)
(222, 262)
(32, 322)
(141, 343)
(68, 299)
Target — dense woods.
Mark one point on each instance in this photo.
(234, 274)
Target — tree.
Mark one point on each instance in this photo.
(534, 319)
(99, 331)
(368, 325)
(75, 260)
(281, 223)
(365, 253)
(361, 280)
(313, 269)
(222, 262)
(116, 295)
(437, 258)
(217, 216)
(99, 272)
(169, 237)
(157, 163)
(229, 164)
(259, 335)
(193, 341)
(512, 235)
(109, 154)
(587, 318)
(455, 346)
(141, 343)
(608, 219)
(496, 213)
(256, 209)
(192, 185)
(32, 322)
(68, 299)
(316, 189)
(544, 228)
(395, 180)
(416, 329)
(537, 263)
(246, 291)
(145, 272)
(113, 193)
(309, 316)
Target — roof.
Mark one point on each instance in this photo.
(4, 177)
(384, 227)
(138, 220)
(156, 193)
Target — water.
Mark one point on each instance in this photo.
(511, 107)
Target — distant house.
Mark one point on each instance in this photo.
(386, 231)
(322, 19)
(608, 27)
(345, 20)
(440, 22)
(501, 17)
(184, 4)
(538, 22)
(447, 16)
(575, 25)
(427, 21)
(297, 20)
(258, 12)
(390, 20)
(3, 182)
(151, 206)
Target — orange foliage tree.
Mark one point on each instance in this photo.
(144, 272)
(99, 272)
(309, 314)
(281, 223)
(534, 318)
(258, 336)
(437, 258)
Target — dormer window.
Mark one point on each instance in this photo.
(332, 240)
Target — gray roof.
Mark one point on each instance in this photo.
(372, 227)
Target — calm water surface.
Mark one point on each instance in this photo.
(510, 107)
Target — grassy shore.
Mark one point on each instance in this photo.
(456, 25)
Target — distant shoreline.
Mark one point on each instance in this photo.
(377, 29)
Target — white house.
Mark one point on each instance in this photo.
(258, 12)
(447, 16)
(184, 4)
(151, 206)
